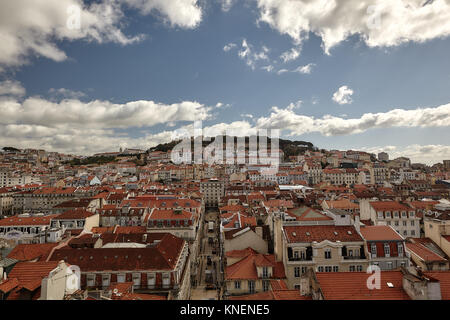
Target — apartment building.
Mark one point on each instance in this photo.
(323, 248)
(401, 217)
(385, 248)
(213, 190)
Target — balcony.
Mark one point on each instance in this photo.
(300, 259)
(354, 257)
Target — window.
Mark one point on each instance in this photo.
(297, 272)
(303, 255)
(374, 250)
(295, 254)
(412, 223)
(251, 286)
(265, 272)
(265, 285)
(328, 269)
(400, 249)
(404, 223)
(105, 280)
(151, 280)
(166, 280)
(396, 214)
(396, 223)
(388, 214)
(335, 268)
(405, 233)
(411, 213)
(136, 280)
(90, 280)
(380, 215)
(359, 268)
(121, 278)
(413, 233)
(304, 269)
(389, 265)
(387, 250)
(320, 269)
(352, 268)
(237, 285)
(403, 214)
(327, 254)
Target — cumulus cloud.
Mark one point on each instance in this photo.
(305, 69)
(290, 55)
(180, 13)
(63, 93)
(343, 95)
(268, 68)
(251, 56)
(281, 71)
(229, 46)
(297, 124)
(428, 154)
(379, 23)
(227, 4)
(11, 88)
(97, 113)
(33, 28)
(89, 127)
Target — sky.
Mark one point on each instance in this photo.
(84, 77)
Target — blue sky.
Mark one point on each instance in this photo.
(183, 60)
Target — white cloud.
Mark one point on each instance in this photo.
(281, 71)
(290, 55)
(227, 4)
(247, 115)
(379, 23)
(343, 95)
(180, 13)
(33, 28)
(305, 69)
(97, 114)
(229, 46)
(297, 124)
(250, 56)
(12, 88)
(63, 93)
(428, 154)
(268, 68)
(89, 127)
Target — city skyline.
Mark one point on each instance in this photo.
(135, 71)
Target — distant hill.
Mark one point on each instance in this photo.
(290, 148)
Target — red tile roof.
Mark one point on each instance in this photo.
(320, 233)
(379, 233)
(30, 274)
(74, 214)
(27, 221)
(8, 285)
(246, 268)
(389, 206)
(353, 286)
(26, 252)
(162, 256)
(444, 281)
(424, 253)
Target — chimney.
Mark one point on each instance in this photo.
(357, 223)
(420, 287)
(259, 231)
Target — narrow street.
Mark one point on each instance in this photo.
(209, 278)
